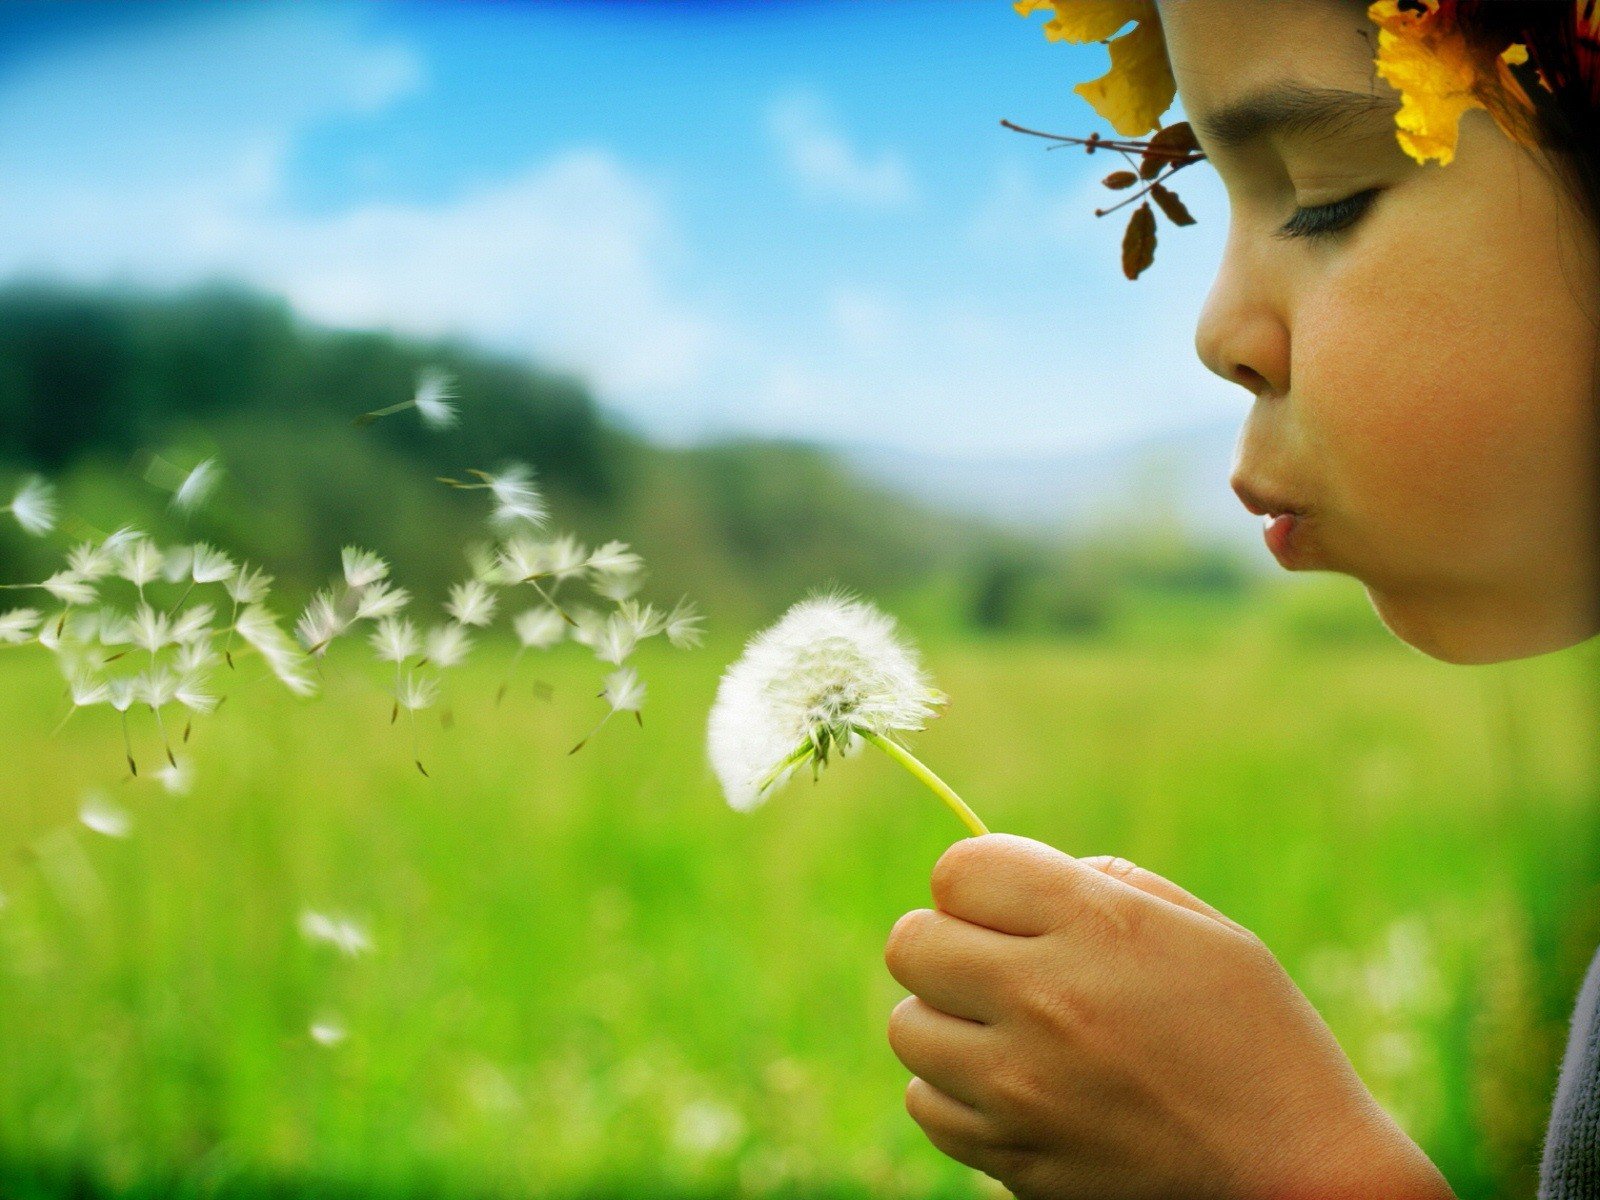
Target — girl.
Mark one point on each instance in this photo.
(1421, 341)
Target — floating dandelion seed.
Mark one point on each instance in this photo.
(623, 692)
(432, 400)
(17, 626)
(177, 778)
(396, 639)
(536, 628)
(379, 601)
(831, 670)
(683, 625)
(34, 506)
(197, 486)
(344, 934)
(447, 645)
(362, 567)
(328, 1031)
(103, 817)
(471, 603)
(207, 564)
(516, 500)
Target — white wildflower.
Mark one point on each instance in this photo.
(362, 567)
(447, 644)
(539, 628)
(433, 398)
(34, 506)
(831, 669)
(17, 626)
(395, 640)
(103, 817)
(471, 603)
(197, 486)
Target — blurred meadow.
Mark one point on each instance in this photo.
(299, 968)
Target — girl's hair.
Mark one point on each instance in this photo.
(1565, 49)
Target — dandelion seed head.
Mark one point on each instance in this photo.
(435, 391)
(34, 506)
(830, 665)
(197, 486)
(101, 816)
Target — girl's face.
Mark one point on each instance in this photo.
(1423, 360)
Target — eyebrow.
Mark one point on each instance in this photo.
(1289, 110)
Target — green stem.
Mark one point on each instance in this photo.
(938, 786)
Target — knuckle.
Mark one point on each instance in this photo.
(954, 866)
(903, 939)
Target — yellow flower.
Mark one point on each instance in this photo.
(1439, 76)
(1139, 87)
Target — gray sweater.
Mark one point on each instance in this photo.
(1571, 1166)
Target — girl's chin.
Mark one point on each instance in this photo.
(1491, 631)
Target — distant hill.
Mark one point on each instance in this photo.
(92, 382)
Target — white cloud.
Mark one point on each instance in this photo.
(564, 261)
(826, 163)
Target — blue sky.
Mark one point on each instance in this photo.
(771, 217)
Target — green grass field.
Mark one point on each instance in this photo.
(590, 977)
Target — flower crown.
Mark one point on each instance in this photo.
(1423, 52)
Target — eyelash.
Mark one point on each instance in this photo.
(1325, 220)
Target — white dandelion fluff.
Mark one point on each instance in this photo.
(328, 1031)
(832, 670)
(362, 567)
(17, 626)
(379, 601)
(471, 603)
(344, 934)
(682, 625)
(434, 396)
(207, 564)
(197, 486)
(447, 645)
(34, 506)
(103, 817)
(395, 639)
(539, 628)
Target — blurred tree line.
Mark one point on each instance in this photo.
(94, 381)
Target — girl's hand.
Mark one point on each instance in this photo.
(1083, 1027)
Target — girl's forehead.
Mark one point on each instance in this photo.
(1222, 51)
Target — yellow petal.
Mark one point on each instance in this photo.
(1086, 20)
(1431, 69)
(1139, 87)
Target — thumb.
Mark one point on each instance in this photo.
(1158, 886)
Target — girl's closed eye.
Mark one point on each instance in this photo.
(1324, 220)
